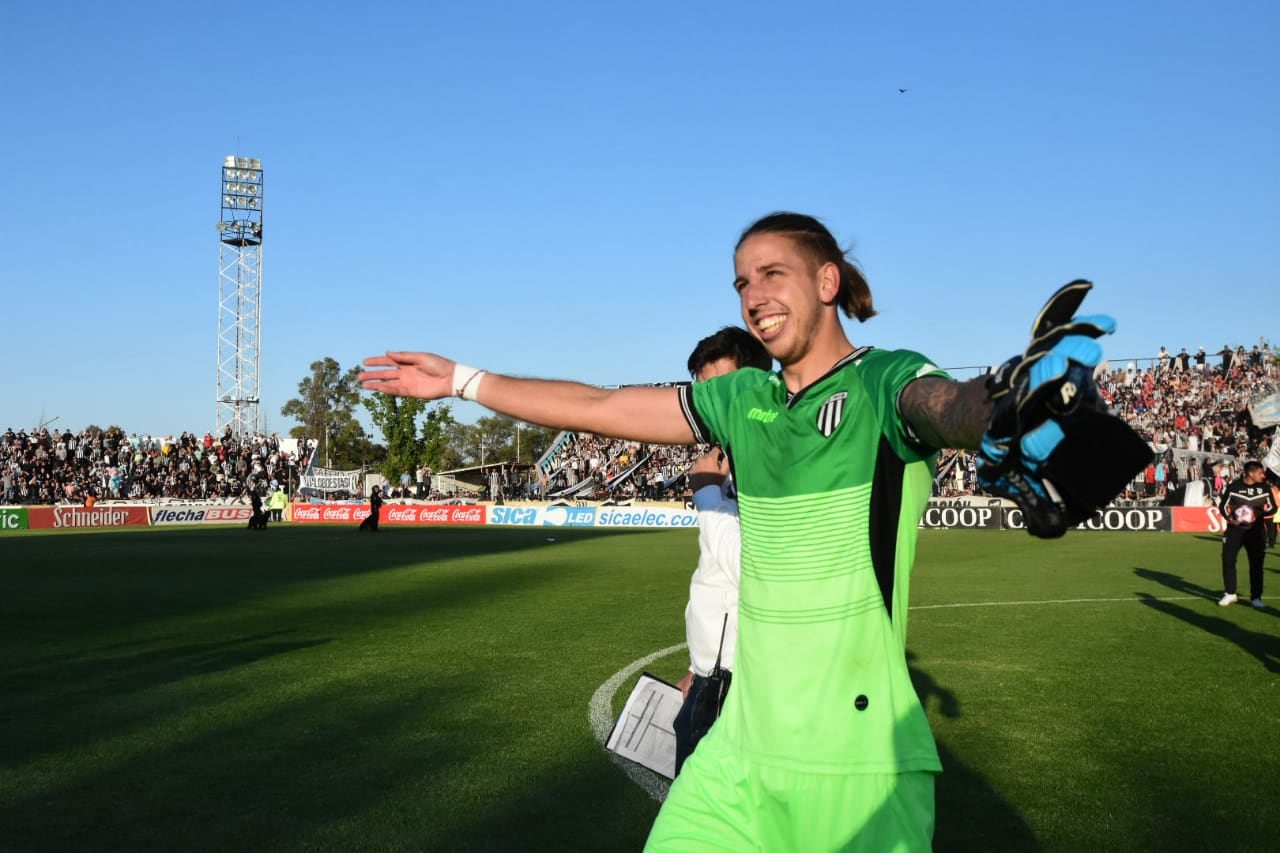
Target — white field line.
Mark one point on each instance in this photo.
(1055, 601)
(600, 708)
(600, 718)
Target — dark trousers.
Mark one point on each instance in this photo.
(1253, 540)
(1271, 531)
(370, 523)
(694, 719)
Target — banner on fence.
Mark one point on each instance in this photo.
(161, 516)
(999, 515)
(1198, 519)
(389, 514)
(329, 480)
(79, 517)
(14, 518)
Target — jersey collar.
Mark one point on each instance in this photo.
(852, 357)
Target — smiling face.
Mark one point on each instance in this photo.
(787, 301)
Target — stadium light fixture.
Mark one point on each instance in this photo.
(239, 294)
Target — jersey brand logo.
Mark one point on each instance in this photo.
(765, 417)
(830, 412)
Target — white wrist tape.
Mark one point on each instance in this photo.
(466, 381)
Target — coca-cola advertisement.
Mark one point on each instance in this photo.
(304, 512)
(81, 517)
(432, 514)
(466, 515)
(389, 514)
(328, 513)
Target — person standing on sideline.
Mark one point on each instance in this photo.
(711, 616)
(1269, 519)
(276, 504)
(823, 743)
(375, 506)
(1245, 502)
(258, 521)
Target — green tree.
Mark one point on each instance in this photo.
(436, 447)
(396, 418)
(493, 439)
(534, 441)
(457, 439)
(325, 409)
(407, 446)
(498, 438)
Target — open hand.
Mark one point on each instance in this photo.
(409, 374)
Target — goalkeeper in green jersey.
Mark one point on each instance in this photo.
(823, 744)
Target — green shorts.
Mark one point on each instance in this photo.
(724, 803)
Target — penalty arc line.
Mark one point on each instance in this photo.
(600, 708)
(600, 718)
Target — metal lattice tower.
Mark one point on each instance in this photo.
(239, 295)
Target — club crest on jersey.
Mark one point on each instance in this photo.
(830, 412)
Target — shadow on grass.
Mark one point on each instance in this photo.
(581, 806)
(82, 699)
(971, 815)
(1260, 644)
(70, 700)
(54, 585)
(341, 768)
(1176, 582)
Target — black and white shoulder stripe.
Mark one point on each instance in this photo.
(700, 433)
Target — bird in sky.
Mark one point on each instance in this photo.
(902, 91)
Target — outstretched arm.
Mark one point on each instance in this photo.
(650, 415)
(946, 413)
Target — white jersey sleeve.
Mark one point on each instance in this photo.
(713, 590)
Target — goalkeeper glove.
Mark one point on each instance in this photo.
(1050, 446)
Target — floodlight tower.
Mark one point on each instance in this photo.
(239, 295)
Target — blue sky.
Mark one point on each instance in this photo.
(554, 189)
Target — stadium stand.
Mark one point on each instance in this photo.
(1195, 414)
(43, 467)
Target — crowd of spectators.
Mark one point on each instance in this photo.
(1194, 413)
(614, 469)
(51, 467)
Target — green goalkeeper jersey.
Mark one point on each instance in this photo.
(831, 486)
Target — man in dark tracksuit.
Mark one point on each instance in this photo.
(375, 505)
(259, 519)
(1244, 504)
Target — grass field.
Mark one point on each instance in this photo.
(308, 689)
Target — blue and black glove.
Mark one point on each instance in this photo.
(1050, 446)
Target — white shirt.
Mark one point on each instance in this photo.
(713, 590)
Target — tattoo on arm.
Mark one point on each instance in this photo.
(945, 413)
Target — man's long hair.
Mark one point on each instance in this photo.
(814, 241)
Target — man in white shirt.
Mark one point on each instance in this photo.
(711, 617)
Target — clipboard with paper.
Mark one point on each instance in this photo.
(644, 732)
